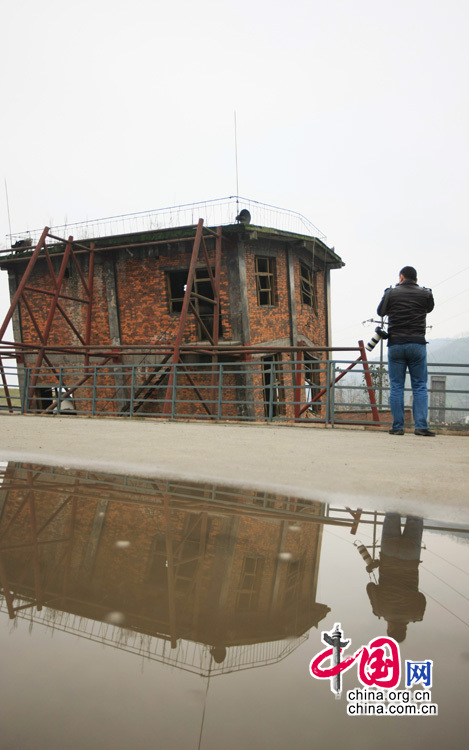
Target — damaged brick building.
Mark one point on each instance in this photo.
(136, 306)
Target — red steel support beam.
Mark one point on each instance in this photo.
(50, 318)
(49, 293)
(184, 311)
(369, 382)
(56, 295)
(23, 282)
(73, 388)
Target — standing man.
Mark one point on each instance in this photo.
(406, 306)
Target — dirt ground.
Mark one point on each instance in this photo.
(354, 467)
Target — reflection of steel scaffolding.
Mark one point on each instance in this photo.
(32, 549)
(166, 640)
(196, 498)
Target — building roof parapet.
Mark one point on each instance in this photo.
(217, 212)
(171, 235)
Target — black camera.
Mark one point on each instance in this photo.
(379, 334)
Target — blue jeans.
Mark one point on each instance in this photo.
(414, 358)
(406, 544)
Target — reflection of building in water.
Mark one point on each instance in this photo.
(173, 564)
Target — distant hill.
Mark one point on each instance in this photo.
(446, 351)
(451, 351)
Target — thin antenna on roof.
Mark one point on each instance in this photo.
(8, 205)
(236, 161)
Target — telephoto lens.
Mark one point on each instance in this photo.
(377, 336)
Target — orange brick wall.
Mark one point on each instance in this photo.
(311, 323)
(143, 304)
(267, 323)
(271, 323)
(143, 300)
(61, 333)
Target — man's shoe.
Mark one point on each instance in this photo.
(425, 433)
(396, 432)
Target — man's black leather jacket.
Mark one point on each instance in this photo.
(406, 306)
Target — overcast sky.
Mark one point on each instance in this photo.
(353, 112)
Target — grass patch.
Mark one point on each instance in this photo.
(14, 396)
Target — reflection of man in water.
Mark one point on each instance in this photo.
(397, 597)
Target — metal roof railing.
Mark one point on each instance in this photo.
(217, 212)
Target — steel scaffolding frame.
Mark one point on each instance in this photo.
(172, 354)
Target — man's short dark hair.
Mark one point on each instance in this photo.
(409, 273)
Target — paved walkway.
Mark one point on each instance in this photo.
(356, 467)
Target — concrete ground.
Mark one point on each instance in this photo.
(353, 467)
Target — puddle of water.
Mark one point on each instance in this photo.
(146, 613)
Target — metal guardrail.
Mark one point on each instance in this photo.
(217, 212)
(266, 390)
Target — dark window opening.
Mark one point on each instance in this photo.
(274, 393)
(202, 298)
(177, 281)
(312, 370)
(308, 287)
(265, 281)
(43, 397)
(247, 596)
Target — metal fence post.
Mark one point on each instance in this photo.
(271, 393)
(328, 391)
(132, 392)
(332, 395)
(298, 388)
(59, 395)
(95, 383)
(27, 378)
(173, 391)
(220, 389)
